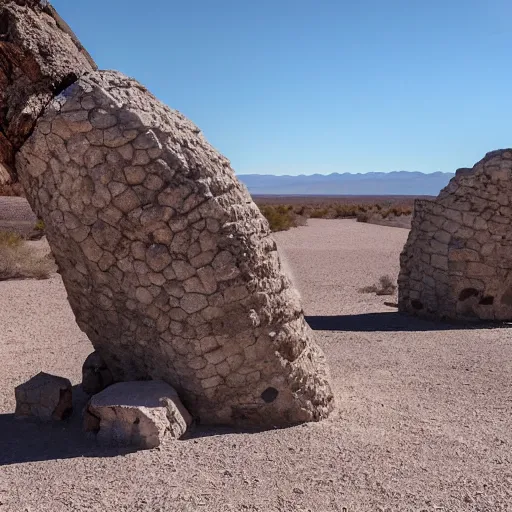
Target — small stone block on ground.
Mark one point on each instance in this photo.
(45, 397)
(138, 414)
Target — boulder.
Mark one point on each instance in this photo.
(39, 56)
(45, 397)
(169, 266)
(95, 374)
(457, 261)
(138, 414)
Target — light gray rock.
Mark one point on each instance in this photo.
(45, 397)
(165, 250)
(468, 275)
(138, 414)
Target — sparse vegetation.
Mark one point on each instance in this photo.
(19, 261)
(39, 226)
(282, 217)
(385, 286)
(286, 212)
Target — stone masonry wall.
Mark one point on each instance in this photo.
(169, 266)
(457, 262)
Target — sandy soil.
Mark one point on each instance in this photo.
(423, 421)
(16, 215)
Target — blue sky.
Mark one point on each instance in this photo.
(303, 86)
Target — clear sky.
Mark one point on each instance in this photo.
(303, 86)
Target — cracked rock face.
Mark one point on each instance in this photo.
(457, 262)
(39, 55)
(168, 264)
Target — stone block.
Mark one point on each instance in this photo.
(45, 397)
(138, 414)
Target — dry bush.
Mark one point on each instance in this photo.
(281, 211)
(282, 217)
(397, 211)
(18, 260)
(385, 286)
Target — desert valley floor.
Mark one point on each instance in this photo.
(423, 419)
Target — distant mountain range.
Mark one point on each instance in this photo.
(371, 183)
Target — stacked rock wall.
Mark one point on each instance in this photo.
(457, 263)
(168, 264)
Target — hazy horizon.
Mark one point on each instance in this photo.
(331, 173)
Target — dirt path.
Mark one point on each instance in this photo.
(423, 421)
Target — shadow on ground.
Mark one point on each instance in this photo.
(392, 321)
(31, 441)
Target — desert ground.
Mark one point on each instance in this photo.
(16, 215)
(423, 419)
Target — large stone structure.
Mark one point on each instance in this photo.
(457, 263)
(168, 264)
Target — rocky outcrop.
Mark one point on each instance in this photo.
(169, 266)
(457, 263)
(137, 414)
(39, 56)
(45, 397)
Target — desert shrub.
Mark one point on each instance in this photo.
(397, 211)
(344, 211)
(10, 240)
(319, 213)
(39, 226)
(280, 218)
(19, 261)
(385, 286)
(282, 212)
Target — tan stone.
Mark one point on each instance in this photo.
(138, 414)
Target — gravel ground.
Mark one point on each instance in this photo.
(16, 215)
(423, 419)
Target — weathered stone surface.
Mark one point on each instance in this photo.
(168, 264)
(95, 374)
(457, 262)
(39, 55)
(138, 414)
(45, 397)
